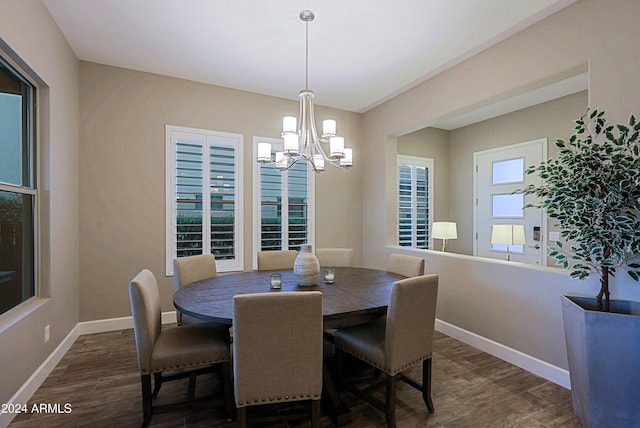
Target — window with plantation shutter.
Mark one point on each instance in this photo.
(414, 201)
(283, 204)
(204, 186)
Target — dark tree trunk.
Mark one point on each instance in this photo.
(604, 290)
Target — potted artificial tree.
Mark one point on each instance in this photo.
(592, 191)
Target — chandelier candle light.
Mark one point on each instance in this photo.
(301, 140)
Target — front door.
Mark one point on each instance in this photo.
(499, 180)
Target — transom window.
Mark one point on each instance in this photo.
(204, 187)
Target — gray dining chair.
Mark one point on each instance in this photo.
(404, 265)
(276, 259)
(335, 257)
(277, 353)
(394, 343)
(181, 350)
(191, 269)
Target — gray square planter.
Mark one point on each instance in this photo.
(603, 349)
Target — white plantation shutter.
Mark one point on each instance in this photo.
(283, 204)
(271, 209)
(203, 196)
(223, 201)
(298, 203)
(414, 201)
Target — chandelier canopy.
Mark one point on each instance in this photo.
(301, 140)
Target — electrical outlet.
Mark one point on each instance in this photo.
(46, 333)
(554, 236)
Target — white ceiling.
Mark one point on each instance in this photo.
(361, 52)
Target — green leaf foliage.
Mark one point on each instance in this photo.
(592, 192)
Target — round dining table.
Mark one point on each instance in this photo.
(356, 296)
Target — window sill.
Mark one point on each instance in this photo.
(20, 312)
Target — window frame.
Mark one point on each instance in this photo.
(277, 144)
(209, 138)
(413, 162)
(30, 178)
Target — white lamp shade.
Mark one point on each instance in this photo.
(519, 235)
(318, 160)
(291, 144)
(508, 234)
(347, 160)
(264, 152)
(336, 147)
(329, 127)
(289, 124)
(444, 230)
(281, 160)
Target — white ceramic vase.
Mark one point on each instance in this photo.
(306, 267)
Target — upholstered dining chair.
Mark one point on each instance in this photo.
(277, 353)
(392, 344)
(191, 269)
(406, 265)
(276, 260)
(335, 257)
(195, 347)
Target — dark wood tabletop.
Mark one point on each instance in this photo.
(357, 295)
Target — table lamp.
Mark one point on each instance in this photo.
(508, 234)
(444, 230)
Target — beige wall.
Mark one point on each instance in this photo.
(551, 120)
(432, 143)
(28, 30)
(122, 174)
(598, 33)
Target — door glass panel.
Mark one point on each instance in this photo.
(508, 171)
(509, 205)
(519, 249)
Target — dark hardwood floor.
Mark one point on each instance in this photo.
(98, 378)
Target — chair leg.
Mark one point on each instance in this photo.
(315, 413)
(426, 384)
(339, 359)
(157, 383)
(146, 399)
(242, 417)
(191, 388)
(227, 392)
(390, 400)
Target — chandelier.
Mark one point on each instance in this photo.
(301, 140)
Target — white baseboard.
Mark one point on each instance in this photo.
(32, 384)
(531, 364)
(112, 324)
(38, 377)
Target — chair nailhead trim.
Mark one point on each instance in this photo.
(257, 400)
(378, 366)
(189, 364)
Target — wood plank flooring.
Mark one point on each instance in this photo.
(99, 378)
